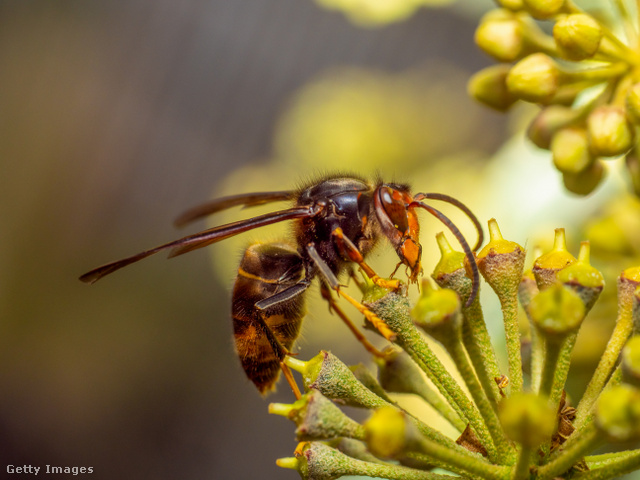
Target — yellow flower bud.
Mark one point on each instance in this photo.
(500, 35)
(550, 119)
(546, 267)
(534, 78)
(386, 432)
(618, 413)
(489, 86)
(570, 150)
(585, 182)
(514, 5)
(557, 311)
(527, 419)
(610, 133)
(578, 36)
(543, 9)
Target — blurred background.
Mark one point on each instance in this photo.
(116, 117)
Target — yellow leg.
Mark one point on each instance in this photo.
(290, 380)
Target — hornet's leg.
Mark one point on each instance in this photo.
(333, 283)
(350, 251)
(333, 306)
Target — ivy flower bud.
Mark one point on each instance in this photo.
(514, 5)
(534, 78)
(545, 125)
(527, 419)
(397, 373)
(618, 413)
(386, 432)
(633, 103)
(585, 182)
(570, 150)
(631, 361)
(543, 9)
(582, 278)
(557, 312)
(318, 418)
(437, 312)
(578, 36)
(628, 285)
(500, 35)
(327, 374)
(546, 267)
(450, 271)
(610, 132)
(501, 262)
(489, 86)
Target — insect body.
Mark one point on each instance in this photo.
(337, 222)
(262, 337)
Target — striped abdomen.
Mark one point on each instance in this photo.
(265, 270)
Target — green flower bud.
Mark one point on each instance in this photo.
(397, 373)
(501, 262)
(437, 312)
(527, 419)
(514, 5)
(582, 278)
(500, 35)
(318, 418)
(610, 132)
(450, 271)
(386, 432)
(570, 150)
(585, 182)
(546, 267)
(618, 413)
(550, 119)
(578, 36)
(543, 9)
(489, 86)
(557, 311)
(534, 78)
(633, 103)
(327, 374)
(631, 361)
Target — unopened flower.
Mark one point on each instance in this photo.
(584, 76)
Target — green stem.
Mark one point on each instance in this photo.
(471, 464)
(573, 450)
(621, 332)
(562, 369)
(616, 465)
(456, 350)
(477, 341)
(509, 305)
(551, 355)
(521, 471)
(443, 408)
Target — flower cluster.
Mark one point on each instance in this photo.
(584, 74)
(519, 425)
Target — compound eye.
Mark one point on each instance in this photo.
(394, 205)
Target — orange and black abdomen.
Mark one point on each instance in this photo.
(265, 270)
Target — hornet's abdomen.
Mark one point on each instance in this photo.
(265, 270)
